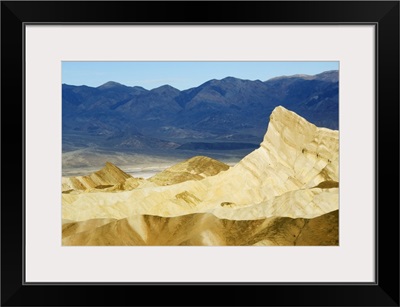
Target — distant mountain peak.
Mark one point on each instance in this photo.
(328, 72)
(302, 76)
(165, 87)
(235, 109)
(110, 84)
(330, 75)
(229, 78)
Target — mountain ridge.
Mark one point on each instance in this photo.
(214, 110)
(285, 192)
(278, 177)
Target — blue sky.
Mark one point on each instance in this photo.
(182, 75)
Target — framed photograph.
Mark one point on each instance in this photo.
(239, 146)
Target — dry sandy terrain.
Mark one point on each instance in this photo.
(286, 192)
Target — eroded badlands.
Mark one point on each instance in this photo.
(283, 193)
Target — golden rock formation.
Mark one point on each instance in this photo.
(109, 178)
(195, 168)
(204, 229)
(290, 180)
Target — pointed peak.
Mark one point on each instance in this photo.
(279, 110)
(284, 122)
(282, 114)
(113, 170)
(110, 165)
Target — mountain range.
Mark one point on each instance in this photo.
(230, 113)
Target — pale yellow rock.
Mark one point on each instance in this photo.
(278, 179)
(308, 203)
(108, 179)
(294, 154)
(196, 168)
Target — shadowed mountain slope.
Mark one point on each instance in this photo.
(230, 109)
(205, 229)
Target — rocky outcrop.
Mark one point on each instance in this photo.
(110, 177)
(195, 168)
(294, 154)
(292, 175)
(206, 229)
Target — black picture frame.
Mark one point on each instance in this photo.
(383, 14)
